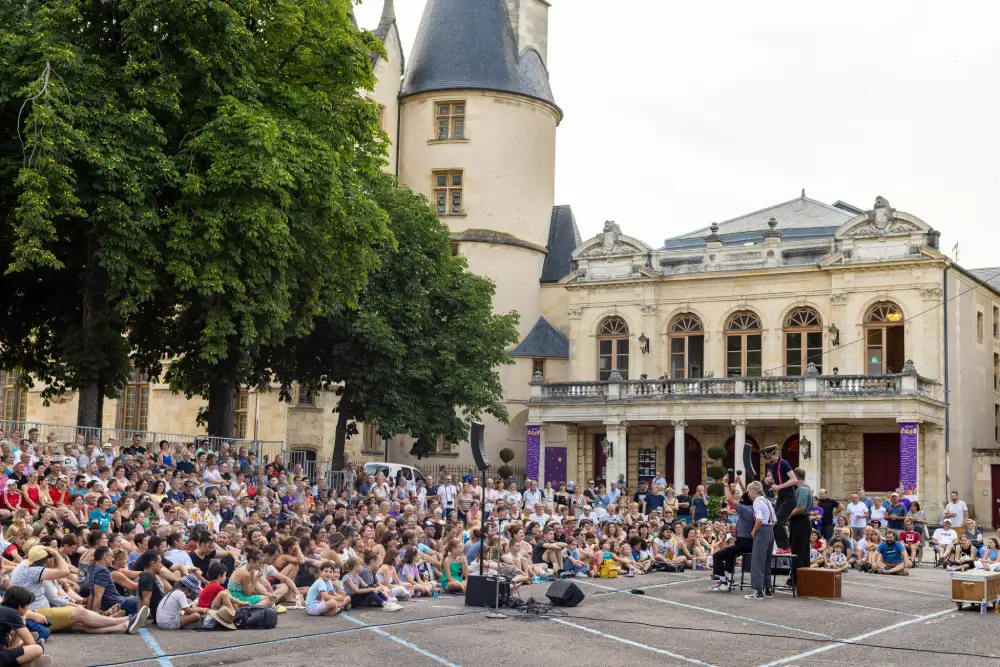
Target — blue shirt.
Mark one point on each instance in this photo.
(895, 515)
(700, 508)
(319, 586)
(103, 519)
(101, 576)
(891, 553)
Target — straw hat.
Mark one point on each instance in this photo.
(224, 617)
(36, 554)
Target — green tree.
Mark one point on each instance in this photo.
(193, 182)
(419, 354)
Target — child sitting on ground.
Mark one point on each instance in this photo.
(837, 559)
(324, 598)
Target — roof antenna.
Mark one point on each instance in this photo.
(803, 193)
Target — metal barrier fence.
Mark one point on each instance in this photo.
(338, 481)
(149, 439)
(433, 472)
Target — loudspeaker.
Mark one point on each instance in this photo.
(563, 593)
(478, 448)
(483, 591)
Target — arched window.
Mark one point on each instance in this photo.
(612, 348)
(744, 357)
(687, 347)
(803, 341)
(884, 349)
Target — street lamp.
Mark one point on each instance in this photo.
(608, 448)
(834, 335)
(805, 447)
(643, 343)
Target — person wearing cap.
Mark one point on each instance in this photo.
(943, 542)
(784, 486)
(175, 609)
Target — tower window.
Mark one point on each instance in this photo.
(537, 366)
(448, 192)
(450, 117)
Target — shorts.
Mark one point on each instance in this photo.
(169, 624)
(9, 657)
(317, 609)
(60, 618)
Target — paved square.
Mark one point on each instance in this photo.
(676, 621)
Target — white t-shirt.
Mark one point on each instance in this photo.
(945, 537)
(878, 514)
(858, 513)
(961, 512)
(492, 495)
(173, 604)
(447, 493)
(532, 497)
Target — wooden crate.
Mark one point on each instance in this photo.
(818, 583)
(975, 586)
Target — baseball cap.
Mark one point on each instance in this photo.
(191, 583)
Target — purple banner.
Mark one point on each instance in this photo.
(534, 444)
(909, 437)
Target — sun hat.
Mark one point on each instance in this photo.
(36, 554)
(224, 617)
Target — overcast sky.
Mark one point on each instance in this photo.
(679, 114)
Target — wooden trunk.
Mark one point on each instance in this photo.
(975, 586)
(816, 583)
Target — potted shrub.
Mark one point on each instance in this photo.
(506, 455)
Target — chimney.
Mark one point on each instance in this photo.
(530, 22)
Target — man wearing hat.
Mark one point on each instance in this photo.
(784, 486)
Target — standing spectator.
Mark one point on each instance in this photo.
(447, 493)
(684, 504)
(956, 511)
(700, 503)
(830, 508)
(857, 513)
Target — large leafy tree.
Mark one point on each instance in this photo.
(181, 179)
(420, 352)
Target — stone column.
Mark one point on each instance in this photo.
(616, 433)
(739, 440)
(679, 451)
(812, 430)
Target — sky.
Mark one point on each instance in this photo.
(678, 114)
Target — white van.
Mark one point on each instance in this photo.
(392, 470)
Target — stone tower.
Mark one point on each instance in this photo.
(477, 136)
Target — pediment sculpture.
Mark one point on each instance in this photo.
(609, 242)
(882, 221)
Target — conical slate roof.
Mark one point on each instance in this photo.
(470, 44)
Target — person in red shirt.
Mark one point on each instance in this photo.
(60, 492)
(214, 595)
(912, 541)
(10, 499)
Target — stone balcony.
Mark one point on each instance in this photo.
(811, 387)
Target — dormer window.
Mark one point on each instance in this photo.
(450, 117)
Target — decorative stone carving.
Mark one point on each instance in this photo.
(770, 254)
(574, 311)
(648, 309)
(772, 230)
(636, 268)
(881, 214)
(882, 221)
(714, 235)
(848, 254)
(611, 243)
(931, 293)
(838, 298)
(914, 250)
(711, 257)
(581, 272)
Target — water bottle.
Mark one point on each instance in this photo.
(982, 609)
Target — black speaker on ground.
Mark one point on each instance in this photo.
(478, 448)
(483, 591)
(563, 593)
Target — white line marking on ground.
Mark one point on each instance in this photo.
(382, 633)
(854, 640)
(154, 646)
(631, 643)
(859, 606)
(893, 588)
(611, 589)
(736, 616)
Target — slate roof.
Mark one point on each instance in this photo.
(564, 237)
(470, 44)
(798, 213)
(544, 340)
(990, 276)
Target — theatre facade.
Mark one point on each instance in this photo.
(821, 329)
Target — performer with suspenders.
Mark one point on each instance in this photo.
(763, 543)
(784, 486)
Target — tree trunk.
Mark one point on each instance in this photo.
(222, 408)
(90, 408)
(340, 435)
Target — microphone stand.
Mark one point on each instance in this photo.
(492, 613)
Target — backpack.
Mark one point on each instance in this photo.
(255, 618)
(608, 569)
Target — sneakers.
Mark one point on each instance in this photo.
(719, 587)
(391, 606)
(782, 552)
(756, 595)
(768, 592)
(280, 609)
(138, 621)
